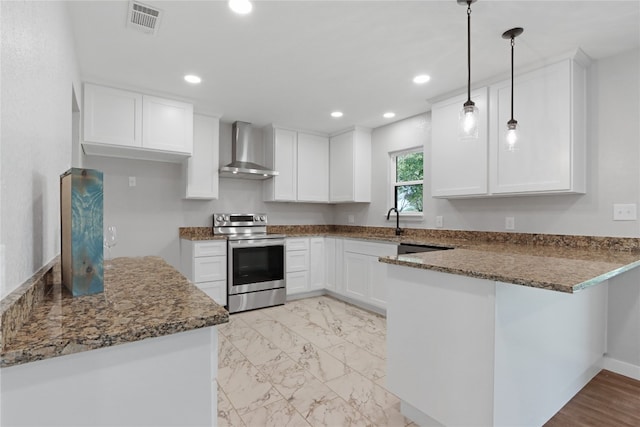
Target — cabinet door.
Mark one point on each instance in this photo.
(378, 285)
(297, 282)
(458, 167)
(356, 275)
(210, 269)
(313, 168)
(330, 263)
(112, 116)
(201, 169)
(341, 168)
(542, 107)
(285, 157)
(218, 248)
(167, 125)
(215, 290)
(316, 263)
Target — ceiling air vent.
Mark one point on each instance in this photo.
(143, 17)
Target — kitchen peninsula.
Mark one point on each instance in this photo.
(497, 334)
(162, 374)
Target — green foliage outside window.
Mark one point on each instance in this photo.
(409, 181)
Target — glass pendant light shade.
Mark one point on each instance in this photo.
(469, 121)
(512, 135)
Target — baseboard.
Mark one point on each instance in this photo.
(352, 301)
(622, 368)
(303, 295)
(417, 416)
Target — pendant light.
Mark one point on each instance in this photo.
(469, 112)
(511, 137)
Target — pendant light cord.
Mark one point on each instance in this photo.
(512, 44)
(469, 51)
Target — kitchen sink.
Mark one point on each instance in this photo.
(408, 248)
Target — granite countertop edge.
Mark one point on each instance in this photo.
(61, 324)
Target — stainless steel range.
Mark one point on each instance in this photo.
(256, 270)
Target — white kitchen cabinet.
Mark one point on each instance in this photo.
(313, 168)
(297, 265)
(350, 166)
(112, 116)
(362, 278)
(302, 161)
(280, 154)
(120, 123)
(550, 107)
(200, 171)
(204, 263)
(167, 125)
(458, 166)
(317, 263)
(330, 263)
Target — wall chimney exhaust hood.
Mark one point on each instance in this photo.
(240, 166)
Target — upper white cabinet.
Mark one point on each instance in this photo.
(112, 116)
(459, 167)
(302, 162)
(313, 168)
(167, 125)
(281, 151)
(201, 169)
(550, 107)
(119, 123)
(350, 166)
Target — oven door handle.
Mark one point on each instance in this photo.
(255, 243)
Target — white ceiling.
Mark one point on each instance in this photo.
(293, 62)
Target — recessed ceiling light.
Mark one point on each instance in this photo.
(241, 7)
(422, 78)
(337, 114)
(389, 115)
(192, 79)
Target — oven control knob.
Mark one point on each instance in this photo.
(220, 218)
(226, 218)
(256, 218)
(263, 218)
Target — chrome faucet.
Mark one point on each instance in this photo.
(398, 229)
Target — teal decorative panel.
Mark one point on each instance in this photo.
(81, 211)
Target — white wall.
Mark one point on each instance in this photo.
(613, 169)
(148, 215)
(38, 71)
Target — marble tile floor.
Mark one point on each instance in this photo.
(311, 362)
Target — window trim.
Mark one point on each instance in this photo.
(392, 183)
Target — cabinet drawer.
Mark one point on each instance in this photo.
(210, 248)
(301, 244)
(210, 269)
(297, 261)
(297, 282)
(216, 291)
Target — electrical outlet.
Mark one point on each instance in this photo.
(624, 212)
(351, 219)
(439, 221)
(509, 223)
(132, 181)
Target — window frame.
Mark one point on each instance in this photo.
(392, 183)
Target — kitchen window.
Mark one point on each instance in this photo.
(407, 179)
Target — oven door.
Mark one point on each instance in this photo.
(255, 265)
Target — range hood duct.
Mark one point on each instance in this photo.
(240, 166)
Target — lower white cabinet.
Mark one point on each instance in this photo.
(330, 262)
(297, 265)
(362, 278)
(316, 263)
(204, 263)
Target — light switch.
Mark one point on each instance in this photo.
(132, 181)
(624, 212)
